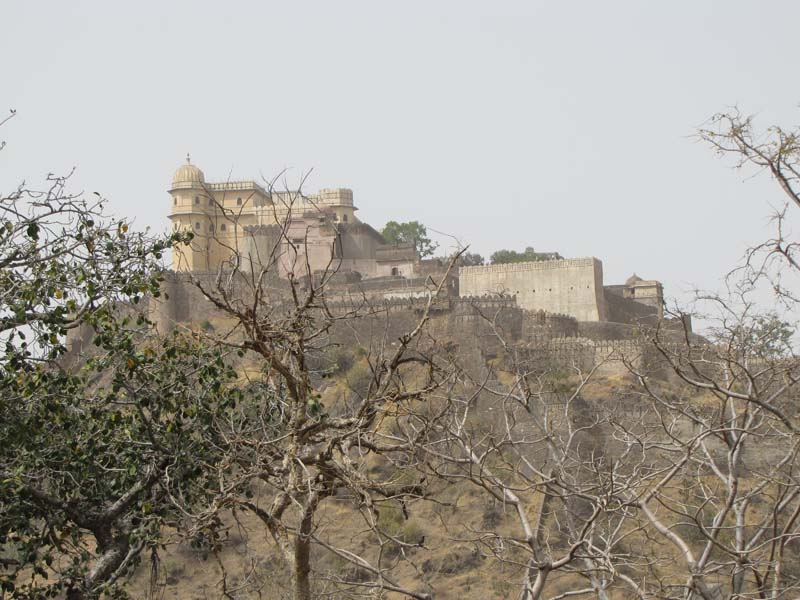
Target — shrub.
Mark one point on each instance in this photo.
(492, 516)
(359, 378)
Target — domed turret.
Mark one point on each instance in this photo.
(188, 173)
(633, 280)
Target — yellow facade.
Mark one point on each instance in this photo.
(218, 213)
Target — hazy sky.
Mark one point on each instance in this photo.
(562, 125)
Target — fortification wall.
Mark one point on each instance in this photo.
(550, 341)
(490, 321)
(181, 301)
(390, 287)
(606, 357)
(260, 246)
(625, 310)
(572, 287)
(541, 324)
(606, 330)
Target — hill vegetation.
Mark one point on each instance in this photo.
(286, 448)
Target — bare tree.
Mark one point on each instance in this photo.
(717, 482)
(523, 435)
(285, 455)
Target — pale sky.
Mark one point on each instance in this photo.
(561, 125)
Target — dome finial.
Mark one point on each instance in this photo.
(188, 173)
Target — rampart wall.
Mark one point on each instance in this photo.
(572, 287)
(609, 330)
(181, 301)
(606, 357)
(539, 324)
(625, 310)
(479, 326)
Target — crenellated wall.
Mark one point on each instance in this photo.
(626, 310)
(479, 327)
(542, 324)
(605, 357)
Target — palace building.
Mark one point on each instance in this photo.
(286, 231)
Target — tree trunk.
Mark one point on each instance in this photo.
(111, 558)
(302, 557)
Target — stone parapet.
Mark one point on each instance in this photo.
(538, 265)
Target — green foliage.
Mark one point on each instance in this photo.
(470, 259)
(390, 520)
(360, 378)
(85, 450)
(409, 232)
(343, 358)
(412, 532)
(769, 336)
(503, 588)
(467, 259)
(529, 255)
(492, 516)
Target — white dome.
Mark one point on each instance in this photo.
(188, 173)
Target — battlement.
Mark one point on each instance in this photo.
(537, 265)
(360, 304)
(336, 196)
(235, 186)
(542, 316)
(486, 301)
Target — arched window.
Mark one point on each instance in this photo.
(210, 201)
(238, 202)
(223, 227)
(175, 201)
(211, 228)
(344, 218)
(197, 199)
(395, 271)
(197, 226)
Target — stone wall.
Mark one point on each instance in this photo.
(572, 287)
(541, 324)
(606, 330)
(625, 310)
(477, 328)
(181, 302)
(606, 357)
(391, 286)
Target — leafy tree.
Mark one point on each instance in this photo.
(465, 259)
(90, 458)
(529, 255)
(470, 259)
(85, 451)
(764, 336)
(409, 232)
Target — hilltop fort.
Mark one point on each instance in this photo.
(561, 305)
(321, 232)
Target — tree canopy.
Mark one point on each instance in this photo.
(464, 259)
(679, 481)
(528, 255)
(85, 447)
(410, 232)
